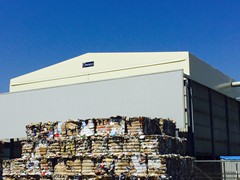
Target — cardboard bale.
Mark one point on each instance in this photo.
(88, 167)
(122, 165)
(167, 127)
(33, 167)
(71, 128)
(69, 149)
(27, 148)
(180, 145)
(83, 145)
(131, 144)
(40, 150)
(75, 165)
(149, 144)
(6, 165)
(115, 147)
(138, 165)
(134, 126)
(53, 149)
(156, 166)
(105, 166)
(47, 168)
(18, 167)
(60, 169)
(102, 127)
(99, 145)
(115, 144)
(87, 127)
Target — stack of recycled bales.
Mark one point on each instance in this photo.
(115, 147)
(1, 154)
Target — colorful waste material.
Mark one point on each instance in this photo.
(110, 148)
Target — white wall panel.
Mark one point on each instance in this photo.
(155, 95)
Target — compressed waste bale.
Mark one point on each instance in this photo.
(180, 145)
(60, 168)
(75, 165)
(33, 167)
(117, 126)
(83, 145)
(167, 127)
(6, 165)
(156, 166)
(40, 150)
(122, 165)
(105, 166)
(53, 149)
(47, 168)
(149, 144)
(102, 127)
(32, 131)
(138, 165)
(115, 145)
(72, 128)
(166, 144)
(131, 144)
(87, 127)
(88, 166)
(27, 148)
(99, 144)
(150, 126)
(134, 126)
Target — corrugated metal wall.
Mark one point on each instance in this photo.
(202, 121)
(216, 122)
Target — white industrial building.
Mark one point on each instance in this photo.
(175, 85)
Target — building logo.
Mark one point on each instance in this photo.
(88, 64)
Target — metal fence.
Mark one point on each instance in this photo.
(217, 169)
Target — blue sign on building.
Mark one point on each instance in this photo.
(88, 64)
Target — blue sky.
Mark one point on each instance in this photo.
(36, 34)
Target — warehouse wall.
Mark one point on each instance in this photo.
(155, 95)
(211, 77)
(216, 122)
(101, 66)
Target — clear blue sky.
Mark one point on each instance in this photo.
(36, 34)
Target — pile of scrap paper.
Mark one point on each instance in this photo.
(105, 148)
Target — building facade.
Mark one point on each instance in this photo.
(175, 85)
